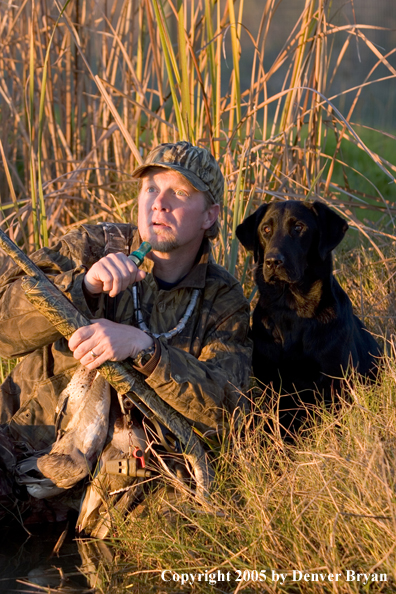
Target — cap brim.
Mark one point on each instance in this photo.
(193, 179)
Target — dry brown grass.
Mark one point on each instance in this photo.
(324, 504)
(122, 77)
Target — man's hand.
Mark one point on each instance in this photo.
(107, 341)
(112, 274)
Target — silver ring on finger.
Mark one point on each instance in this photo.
(94, 355)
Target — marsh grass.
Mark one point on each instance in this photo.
(88, 88)
(325, 504)
(369, 279)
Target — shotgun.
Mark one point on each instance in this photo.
(126, 380)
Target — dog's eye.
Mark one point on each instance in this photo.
(298, 227)
(266, 229)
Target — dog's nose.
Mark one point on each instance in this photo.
(274, 260)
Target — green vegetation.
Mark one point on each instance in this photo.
(83, 99)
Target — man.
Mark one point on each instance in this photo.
(182, 318)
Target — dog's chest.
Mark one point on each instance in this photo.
(281, 348)
(283, 327)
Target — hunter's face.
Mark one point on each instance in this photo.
(172, 214)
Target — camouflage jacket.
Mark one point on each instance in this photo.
(199, 372)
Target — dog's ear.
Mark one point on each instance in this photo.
(332, 228)
(247, 230)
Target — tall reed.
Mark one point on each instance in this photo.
(88, 89)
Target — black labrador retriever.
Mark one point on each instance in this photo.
(304, 331)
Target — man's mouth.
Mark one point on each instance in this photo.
(160, 225)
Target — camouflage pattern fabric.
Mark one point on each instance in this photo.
(200, 372)
(196, 164)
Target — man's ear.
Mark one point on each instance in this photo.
(247, 230)
(332, 228)
(211, 215)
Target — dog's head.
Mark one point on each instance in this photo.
(288, 236)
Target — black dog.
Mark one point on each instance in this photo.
(304, 331)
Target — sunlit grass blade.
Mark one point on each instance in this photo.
(185, 79)
(35, 214)
(43, 215)
(168, 52)
(237, 215)
(13, 195)
(119, 121)
(236, 83)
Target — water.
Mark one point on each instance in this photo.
(30, 559)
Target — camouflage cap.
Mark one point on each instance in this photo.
(196, 164)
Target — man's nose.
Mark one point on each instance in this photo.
(161, 201)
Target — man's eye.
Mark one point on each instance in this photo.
(150, 189)
(181, 193)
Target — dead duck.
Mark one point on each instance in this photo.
(86, 401)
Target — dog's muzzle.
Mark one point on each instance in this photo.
(275, 268)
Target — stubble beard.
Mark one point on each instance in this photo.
(164, 246)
